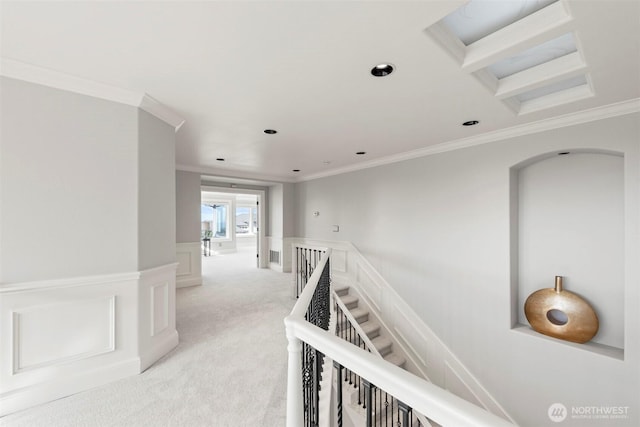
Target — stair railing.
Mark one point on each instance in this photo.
(307, 335)
(305, 260)
(386, 409)
(348, 328)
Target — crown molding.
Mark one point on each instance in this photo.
(161, 111)
(612, 110)
(58, 80)
(231, 173)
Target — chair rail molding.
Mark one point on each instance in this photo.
(128, 323)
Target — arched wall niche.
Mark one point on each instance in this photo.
(567, 219)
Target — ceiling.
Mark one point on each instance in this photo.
(233, 69)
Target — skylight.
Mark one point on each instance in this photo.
(552, 88)
(536, 55)
(524, 51)
(479, 18)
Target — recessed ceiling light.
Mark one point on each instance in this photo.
(470, 123)
(361, 153)
(327, 162)
(220, 159)
(270, 131)
(382, 70)
(296, 170)
(564, 153)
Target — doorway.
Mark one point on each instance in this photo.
(231, 225)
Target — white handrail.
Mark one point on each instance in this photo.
(438, 404)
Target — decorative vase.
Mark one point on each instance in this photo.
(561, 314)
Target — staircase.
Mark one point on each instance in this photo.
(370, 326)
(386, 411)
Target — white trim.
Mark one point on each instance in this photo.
(160, 348)
(26, 397)
(136, 319)
(598, 113)
(556, 70)
(434, 402)
(545, 24)
(59, 80)
(231, 173)
(7, 288)
(189, 271)
(86, 353)
(263, 248)
(554, 99)
(161, 111)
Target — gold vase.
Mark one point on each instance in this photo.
(561, 314)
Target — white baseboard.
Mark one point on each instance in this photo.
(26, 397)
(186, 283)
(161, 348)
(276, 267)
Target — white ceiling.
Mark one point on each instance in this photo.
(233, 69)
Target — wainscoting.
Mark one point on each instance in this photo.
(282, 247)
(189, 272)
(64, 336)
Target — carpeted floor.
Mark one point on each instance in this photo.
(228, 370)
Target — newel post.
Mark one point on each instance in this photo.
(295, 409)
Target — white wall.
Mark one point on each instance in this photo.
(156, 192)
(187, 207)
(276, 213)
(288, 210)
(87, 286)
(438, 230)
(571, 224)
(68, 171)
(282, 214)
(188, 250)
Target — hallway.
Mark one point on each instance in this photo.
(228, 370)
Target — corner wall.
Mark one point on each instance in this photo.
(87, 236)
(69, 184)
(281, 224)
(437, 228)
(188, 248)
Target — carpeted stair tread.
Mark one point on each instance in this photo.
(341, 289)
(371, 328)
(382, 344)
(395, 359)
(350, 301)
(360, 314)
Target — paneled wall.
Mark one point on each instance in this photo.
(87, 236)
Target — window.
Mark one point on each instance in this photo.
(246, 220)
(215, 220)
(243, 220)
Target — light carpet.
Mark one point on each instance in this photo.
(228, 370)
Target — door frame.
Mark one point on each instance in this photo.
(261, 247)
